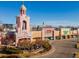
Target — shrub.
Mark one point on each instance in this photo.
(77, 45)
(46, 45)
(10, 56)
(34, 45)
(76, 55)
(25, 54)
(24, 44)
(10, 50)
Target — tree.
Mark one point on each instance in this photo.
(46, 45)
(24, 44)
(38, 27)
(1, 28)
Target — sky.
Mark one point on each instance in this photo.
(53, 13)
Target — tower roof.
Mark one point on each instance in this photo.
(23, 7)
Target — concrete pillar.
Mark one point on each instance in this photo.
(43, 34)
(66, 37)
(70, 36)
(0, 37)
(54, 35)
(60, 34)
(16, 40)
(54, 38)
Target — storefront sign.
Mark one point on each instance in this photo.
(65, 31)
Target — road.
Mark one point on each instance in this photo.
(63, 49)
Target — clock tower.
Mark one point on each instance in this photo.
(22, 25)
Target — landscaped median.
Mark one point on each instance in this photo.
(76, 54)
(44, 53)
(14, 52)
(77, 45)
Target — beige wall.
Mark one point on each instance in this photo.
(74, 32)
(56, 33)
(78, 31)
(36, 34)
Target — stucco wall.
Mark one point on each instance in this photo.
(36, 34)
(56, 33)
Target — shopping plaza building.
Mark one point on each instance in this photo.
(22, 29)
(54, 33)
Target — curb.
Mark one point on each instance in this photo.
(44, 54)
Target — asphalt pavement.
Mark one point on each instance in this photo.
(63, 49)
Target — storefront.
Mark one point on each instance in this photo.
(65, 33)
(48, 33)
